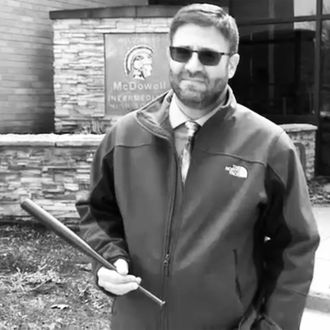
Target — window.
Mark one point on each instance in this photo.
(326, 6)
(222, 3)
(284, 73)
(304, 7)
(276, 72)
(325, 70)
(324, 127)
(263, 9)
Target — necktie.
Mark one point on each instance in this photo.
(192, 128)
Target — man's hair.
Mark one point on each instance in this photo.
(206, 15)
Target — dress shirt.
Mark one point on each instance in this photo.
(178, 118)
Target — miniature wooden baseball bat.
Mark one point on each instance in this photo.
(73, 239)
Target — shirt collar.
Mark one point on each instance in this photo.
(177, 117)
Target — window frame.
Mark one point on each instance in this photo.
(318, 18)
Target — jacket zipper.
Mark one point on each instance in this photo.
(166, 260)
(167, 256)
(166, 263)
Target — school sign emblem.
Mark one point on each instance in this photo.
(136, 70)
(138, 62)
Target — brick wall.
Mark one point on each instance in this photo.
(52, 169)
(26, 59)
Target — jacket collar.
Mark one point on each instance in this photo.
(154, 116)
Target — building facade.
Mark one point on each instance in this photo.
(26, 62)
(284, 73)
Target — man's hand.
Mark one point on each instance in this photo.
(118, 282)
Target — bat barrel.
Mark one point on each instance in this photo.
(63, 231)
(73, 239)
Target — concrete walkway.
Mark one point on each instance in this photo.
(319, 295)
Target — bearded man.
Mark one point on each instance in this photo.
(202, 199)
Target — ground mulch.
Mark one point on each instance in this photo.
(319, 191)
(47, 284)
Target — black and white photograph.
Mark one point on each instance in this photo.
(165, 165)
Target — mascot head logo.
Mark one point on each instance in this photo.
(138, 62)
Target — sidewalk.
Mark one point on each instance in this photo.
(319, 295)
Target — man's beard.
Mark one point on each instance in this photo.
(194, 91)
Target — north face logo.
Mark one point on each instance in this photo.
(238, 171)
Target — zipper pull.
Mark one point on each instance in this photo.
(166, 264)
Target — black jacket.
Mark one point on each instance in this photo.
(239, 236)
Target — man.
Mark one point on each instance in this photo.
(213, 217)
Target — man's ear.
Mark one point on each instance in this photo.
(232, 65)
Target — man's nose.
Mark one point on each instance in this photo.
(193, 64)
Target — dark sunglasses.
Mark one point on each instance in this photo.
(205, 56)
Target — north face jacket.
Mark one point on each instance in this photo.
(237, 240)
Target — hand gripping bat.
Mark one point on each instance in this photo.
(73, 239)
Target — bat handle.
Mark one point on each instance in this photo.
(160, 302)
(108, 265)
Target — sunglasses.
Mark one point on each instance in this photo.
(205, 56)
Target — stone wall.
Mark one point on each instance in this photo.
(304, 136)
(79, 63)
(50, 169)
(53, 169)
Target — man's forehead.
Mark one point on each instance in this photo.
(193, 35)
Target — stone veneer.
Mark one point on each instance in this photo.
(304, 137)
(79, 60)
(53, 169)
(50, 169)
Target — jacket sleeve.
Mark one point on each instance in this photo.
(101, 221)
(291, 239)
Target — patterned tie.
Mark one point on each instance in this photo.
(192, 128)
